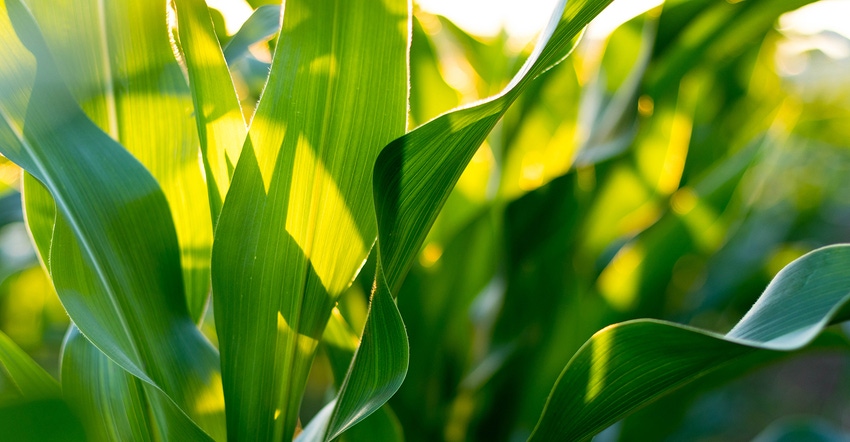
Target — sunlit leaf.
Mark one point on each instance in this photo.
(116, 59)
(221, 128)
(413, 177)
(627, 365)
(114, 258)
(415, 173)
(299, 221)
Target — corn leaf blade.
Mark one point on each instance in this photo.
(415, 173)
(221, 126)
(262, 24)
(114, 405)
(123, 280)
(412, 180)
(627, 365)
(117, 62)
(298, 222)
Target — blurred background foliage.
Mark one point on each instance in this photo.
(666, 170)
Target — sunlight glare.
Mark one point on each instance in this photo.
(235, 13)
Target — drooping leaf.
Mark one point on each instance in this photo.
(114, 258)
(298, 222)
(627, 365)
(415, 173)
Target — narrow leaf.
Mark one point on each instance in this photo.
(221, 127)
(31, 381)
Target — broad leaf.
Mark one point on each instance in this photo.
(298, 222)
(114, 405)
(115, 259)
(627, 365)
(413, 177)
(116, 59)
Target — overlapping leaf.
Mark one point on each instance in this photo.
(415, 173)
(413, 177)
(221, 127)
(298, 221)
(114, 405)
(627, 365)
(114, 258)
(116, 59)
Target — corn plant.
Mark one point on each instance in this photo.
(151, 192)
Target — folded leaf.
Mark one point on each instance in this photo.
(628, 365)
(413, 177)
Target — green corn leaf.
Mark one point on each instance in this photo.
(114, 258)
(262, 24)
(114, 405)
(340, 342)
(298, 222)
(221, 127)
(628, 365)
(28, 378)
(413, 177)
(415, 173)
(117, 61)
(377, 370)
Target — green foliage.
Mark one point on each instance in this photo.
(328, 270)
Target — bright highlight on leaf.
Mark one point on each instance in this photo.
(323, 246)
